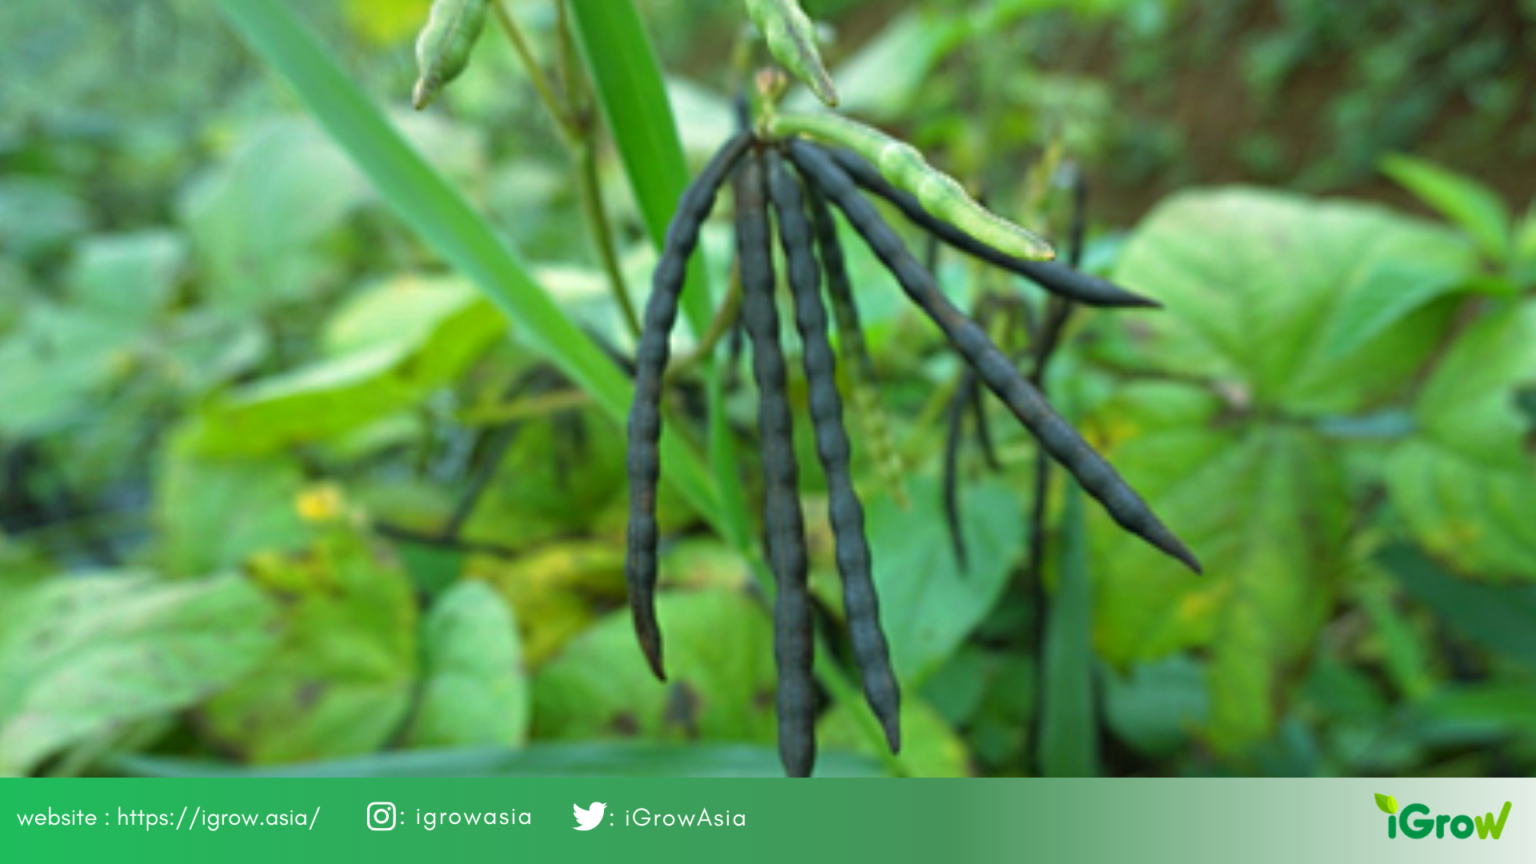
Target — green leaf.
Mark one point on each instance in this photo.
(1523, 256)
(87, 654)
(558, 590)
(475, 690)
(927, 606)
(1465, 482)
(929, 748)
(1471, 205)
(1392, 288)
(720, 676)
(213, 514)
(1069, 729)
(38, 216)
(1502, 619)
(562, 478)
(206, 347)
(129, 275)
(430, 315)
(341, 680)
(257, 220)
(1267, 509)
(57, 362)
(1253, 282)
(445, 220)
(541, 759)
(1158, 706)
(985, 692)
(1470, 404)
(1387, 803)
(394, 345)
(1475, 714)
(791, 38)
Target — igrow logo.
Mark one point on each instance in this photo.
(1461, 827)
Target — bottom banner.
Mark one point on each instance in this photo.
(769, 820)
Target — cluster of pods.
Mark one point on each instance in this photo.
(801, 181)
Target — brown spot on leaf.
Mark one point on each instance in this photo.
(683, 706)
(309, 693)
(625, 725)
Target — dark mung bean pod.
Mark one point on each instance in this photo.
(1056, 278)
(846, 512)
(850, 335)
(794, 637)
(651, 357)
(967, 397)
(983, 428)
(1055, 434)
(957, 405)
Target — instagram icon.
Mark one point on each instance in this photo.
(381, 816)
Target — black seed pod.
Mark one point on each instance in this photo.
(846, 512)
(645, 414)
(1056, 278)
(1055, 434)
(979, 415)
(965, 395)
(850, 334)
(953, 477)
(794, 638)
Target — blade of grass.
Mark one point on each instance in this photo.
(1069, 744)
(446, 221)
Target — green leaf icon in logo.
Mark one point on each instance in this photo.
(1387, 803)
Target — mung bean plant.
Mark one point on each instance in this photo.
(788, 173)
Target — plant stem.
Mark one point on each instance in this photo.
(523, 409)
(575, 93)
(602, 233)
(557, 109)
(575, 129)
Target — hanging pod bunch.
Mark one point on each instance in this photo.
(797, 179)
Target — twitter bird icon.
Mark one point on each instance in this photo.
(589, 818)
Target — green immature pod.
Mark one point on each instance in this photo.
(1056, 278)
(900, 163)
(792, 39)
(845, 511)
(444, 46)
(1056, 436)
(651, 357)
(794, 637)
(861, 367)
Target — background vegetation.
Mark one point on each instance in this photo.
(281, 490)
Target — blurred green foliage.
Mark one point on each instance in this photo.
(280, 492)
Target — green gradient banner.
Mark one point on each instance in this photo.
(769, 820)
